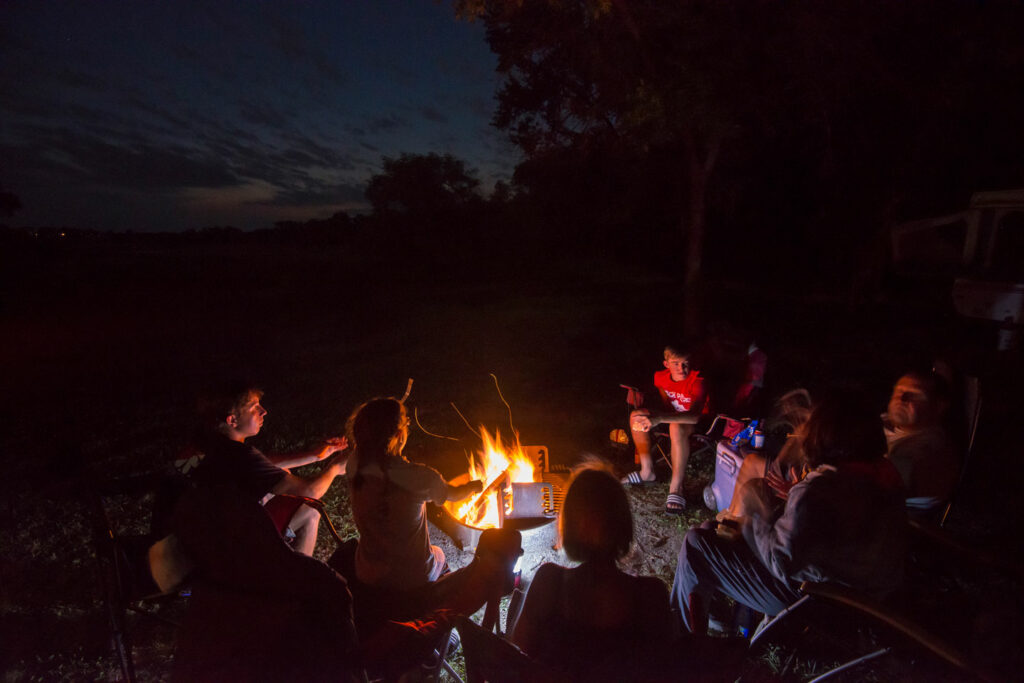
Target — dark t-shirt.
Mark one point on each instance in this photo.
(233, 463)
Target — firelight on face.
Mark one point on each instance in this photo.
(678, 368)
(249, 418)
(909, 405)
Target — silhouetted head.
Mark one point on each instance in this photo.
(596, 522)
(843, 429)
(378, 427)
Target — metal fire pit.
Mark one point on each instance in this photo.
(532, 507)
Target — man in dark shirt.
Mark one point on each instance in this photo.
(231, 416)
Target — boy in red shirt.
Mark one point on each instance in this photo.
(683, 400)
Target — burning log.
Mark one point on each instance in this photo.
(478, 506)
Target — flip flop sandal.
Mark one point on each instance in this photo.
(634, 479)
(675, 504)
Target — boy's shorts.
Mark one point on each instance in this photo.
(281, 510)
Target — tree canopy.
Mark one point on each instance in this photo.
(422, 184)
(779, 123)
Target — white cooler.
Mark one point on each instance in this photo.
(718, 494)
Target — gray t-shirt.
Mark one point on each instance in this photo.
(390, 514)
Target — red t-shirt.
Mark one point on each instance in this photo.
(687, 396)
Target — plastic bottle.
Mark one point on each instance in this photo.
(744, 436)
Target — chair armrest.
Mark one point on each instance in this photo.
(858, 602)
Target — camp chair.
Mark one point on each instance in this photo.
(971, 415)
(891, 634)
(842, 625)
(702, 440)
(408, 629)
(259, 610)
(492, 659)
(129, 590)
(133, 587)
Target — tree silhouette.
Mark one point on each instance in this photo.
(827, 117)
(422, 185)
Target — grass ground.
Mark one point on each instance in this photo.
(104, 348)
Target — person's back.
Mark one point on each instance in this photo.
(233, 463)
(389, 496)
(844, 525)
(394, 548)
(594, 621)
(601, 621)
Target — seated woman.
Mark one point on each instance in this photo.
(844, 522)
(388, 498)
(594, 620)
(779, 467)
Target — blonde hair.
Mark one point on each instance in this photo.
(596, 521)
(677, 351)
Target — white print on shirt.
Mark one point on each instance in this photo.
(681, 403)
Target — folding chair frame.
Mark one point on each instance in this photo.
(121, 561)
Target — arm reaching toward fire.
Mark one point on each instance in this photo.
(457, 493)
(298, 459)
(315, 486)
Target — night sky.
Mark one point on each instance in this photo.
(152, 116)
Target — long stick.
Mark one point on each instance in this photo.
(502, 397)
(464, 420)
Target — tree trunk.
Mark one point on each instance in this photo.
(692, 222)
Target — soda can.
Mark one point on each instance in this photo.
(757, 440)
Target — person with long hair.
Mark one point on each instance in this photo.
(389, 496)
(594, 620)
(844, 522)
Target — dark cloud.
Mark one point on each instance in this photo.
(234, 132)
(129, 164)
(431, 114)
(319, 154)
(262, 114)
(295, 45)
(74, 78)
(155, 167)
(386, 124)
(135, 104)
(319, 195)
(177, 123)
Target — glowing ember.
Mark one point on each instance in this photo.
(492, 463)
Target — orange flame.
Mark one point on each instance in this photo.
(492, 462)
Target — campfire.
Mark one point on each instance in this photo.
(500, 468)
(518, 492)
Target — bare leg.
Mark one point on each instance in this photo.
(642, 441)
(680, 435)
(753, 467)
(305, 523)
